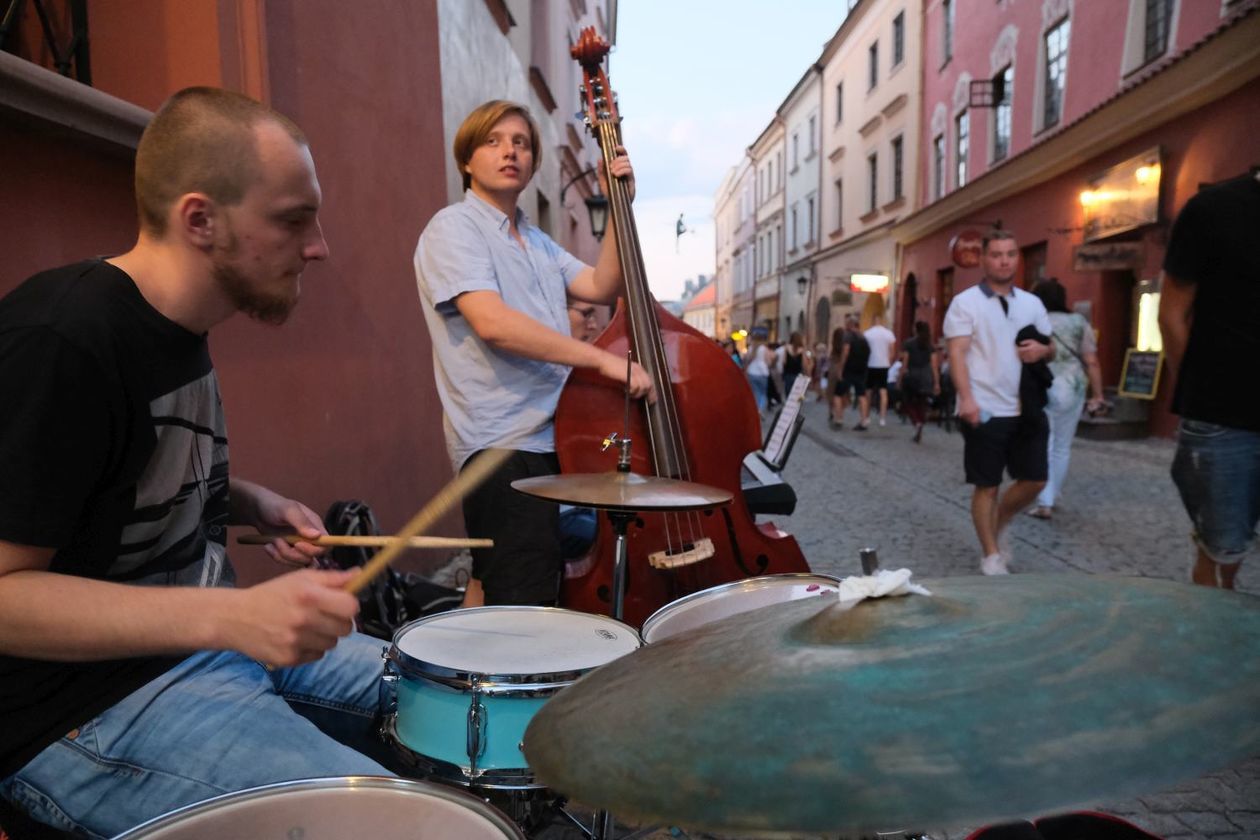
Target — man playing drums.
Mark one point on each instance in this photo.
(131, 675)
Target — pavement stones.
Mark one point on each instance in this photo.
(1119, 513)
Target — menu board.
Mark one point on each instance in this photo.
(1140, 376)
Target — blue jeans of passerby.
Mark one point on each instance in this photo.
(216, 723)
(759, 386)
(1064, 418)
(1217, 471)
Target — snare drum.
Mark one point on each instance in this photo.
(462, 686)
(333, 809)
(718, 602)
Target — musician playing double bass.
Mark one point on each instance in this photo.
(493, 288)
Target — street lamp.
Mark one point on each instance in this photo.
(596, 205)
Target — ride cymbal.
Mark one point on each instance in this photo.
(623, 491)
(994, 698)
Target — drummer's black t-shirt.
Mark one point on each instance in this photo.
(113, 451)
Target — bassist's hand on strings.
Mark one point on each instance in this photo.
(621, 170)
(614, 367)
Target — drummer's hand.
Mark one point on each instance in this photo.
(294, 618)
(277, 515)
(620, 169)
(614, 367)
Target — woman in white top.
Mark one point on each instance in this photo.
(1075, 366)
(757, 367)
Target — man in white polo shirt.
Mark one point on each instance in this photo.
(986, 363)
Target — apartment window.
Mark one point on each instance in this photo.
(839, 203)
(809, 217)
(938, 166)
(873, 54)
(1158, 22)
(796, 151)
(896, 167)
(899, 39)
(792, 228)
(947, 7)
(813, 135)
(1003, 85)
(1056, 72)
(839, 102)
(872, 172)
(961, 147)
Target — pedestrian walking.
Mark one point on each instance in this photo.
(851, 355)
(920, 376)
(794, 355)
(757, 368)
(1207, 315)
(986, 363)
(1075, 368)
(776, 394)
(883, 346)
(818, 376)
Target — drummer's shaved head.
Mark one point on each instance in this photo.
(201, 140)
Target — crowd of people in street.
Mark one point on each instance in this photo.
(1017, 369)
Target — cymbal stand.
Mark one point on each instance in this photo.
(620, 520)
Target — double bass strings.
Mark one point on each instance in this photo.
(646, 333)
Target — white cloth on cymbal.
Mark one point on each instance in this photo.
(885, 582)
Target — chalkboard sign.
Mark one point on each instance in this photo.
(1140, 376)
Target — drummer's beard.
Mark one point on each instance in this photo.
(271, 306)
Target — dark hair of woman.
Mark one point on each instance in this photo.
(1052, 294)
(837, 340)
(922, 334)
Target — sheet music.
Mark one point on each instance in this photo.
(773, 451)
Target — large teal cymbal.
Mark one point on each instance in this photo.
(995, 698)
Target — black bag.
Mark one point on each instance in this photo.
(1035, 378)
(391, 599)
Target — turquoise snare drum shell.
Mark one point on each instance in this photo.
(495, 665)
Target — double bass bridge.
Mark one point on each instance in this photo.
(674, 558)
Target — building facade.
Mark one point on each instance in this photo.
(1083, 128)
(801, 114)
(766, 157)
(870, 114)
(725, 221)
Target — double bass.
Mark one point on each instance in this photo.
(702, 425)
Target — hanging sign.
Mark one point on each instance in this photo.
(966, 247)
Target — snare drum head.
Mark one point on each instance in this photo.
(334, 809)
(516, 640)
(733, 598)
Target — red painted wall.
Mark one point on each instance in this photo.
(1199, 147)
(339, 403)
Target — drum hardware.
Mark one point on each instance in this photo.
(990, 699)
(623, 495)
(869, 560)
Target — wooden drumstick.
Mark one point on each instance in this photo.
(463, 484)
(337, 540)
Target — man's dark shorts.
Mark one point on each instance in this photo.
(524, 565)
(877, 379)
(856, 384)
(1015, 444)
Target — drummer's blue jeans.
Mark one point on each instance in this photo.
(216, 723)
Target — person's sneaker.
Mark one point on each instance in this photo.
(881, 422)
(994, 564)
(834, 423)
(1040, 512)
(860, 427)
